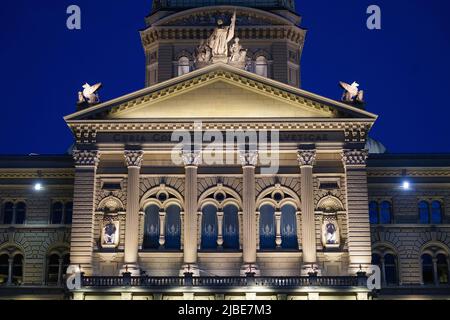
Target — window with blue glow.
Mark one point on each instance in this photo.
(424, 212)
(267, 235)
(289, 227)
(151, 227)
(230, 227)
(373, 212)
(173, 228)
(436, 212)
(209, 228)
(386, 212)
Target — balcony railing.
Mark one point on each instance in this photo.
(222, 282)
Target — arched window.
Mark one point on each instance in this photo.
(442, 269)
(427, 269)
(209, 227)
(376, 260)
(267, 235)
(424, 212)
(17, 269)
(230, 227)
(8, 213)
(173, 228)
(151, 227)
(289, 227)
(4, 268)
(373, 212)
(21, 213)
(436, 212)
(183, 66)
(68, 209)
(386, 212)
(57, 213)
(53, 269)
(390, 269)
(261, 66)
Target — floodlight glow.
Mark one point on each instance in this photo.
(38, 187)
(406, 185)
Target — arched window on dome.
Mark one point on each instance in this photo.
(57, 213)
(209, 228)
(267, 233)
(184, 66)
(386, 212)
(261, 66)
(289, 227)
(424, 212)
(436, 212)
(373, 212)
(8, 213)
(230, 227)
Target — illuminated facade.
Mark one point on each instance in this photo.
(143, 217)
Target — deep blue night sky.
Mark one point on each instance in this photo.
(404, 68)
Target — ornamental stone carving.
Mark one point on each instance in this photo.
(306, 157)
(355, 157)
(134, 158)
(248, 158)
(191, 158)
(86, 158)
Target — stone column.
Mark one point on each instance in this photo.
(359, 242)
(435, 272)
(249, 160)
(10, 271)
(133, 161)
(60, 268)
(220, 229)
(162, 228)
(278, 240)
(383, 272)
(191, 161)
(306, 160)
(82, 242)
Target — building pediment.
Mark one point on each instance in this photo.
(219, 92)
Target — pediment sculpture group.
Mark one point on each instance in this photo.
(222, 46)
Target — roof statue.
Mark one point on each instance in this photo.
(217, 47)
(89, 94)
(351, 92)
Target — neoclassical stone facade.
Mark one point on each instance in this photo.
(142, 209)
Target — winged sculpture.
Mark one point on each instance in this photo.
(89, 94)
(352, 92)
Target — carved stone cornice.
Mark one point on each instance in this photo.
(134, 158)
(306, 157)
(40, 174)
(85, 158)
(355, 157)
(191, 159)
(249, 158)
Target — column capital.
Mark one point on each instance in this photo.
(355, 157)
(191, 159)
(306, 157)
(86, 158)
(134, 158)
(249, 158)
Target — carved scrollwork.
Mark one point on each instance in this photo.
(134, 158)
(248, 158)
(306, 157)
(86, 158)
(355, 157)
(191, 158)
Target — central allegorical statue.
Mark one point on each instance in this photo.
(221, 37)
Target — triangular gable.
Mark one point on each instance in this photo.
(220, 91)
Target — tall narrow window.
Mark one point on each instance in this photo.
(427, 269)
(17, 270)
(173, 228)
(261, 66)
(424, 212)
(151, 227)
(8, 213)
(21, 213)
(183, 66)
(209, 227)
(230, 227)
(68, 213)
(289, 227)
(386, 212)
(436, 212)
(53, 269)
(57, 213)
(267, 233)
(390, 268)
(442, 269)
(376, 260)
(4, 269)
(373, 212)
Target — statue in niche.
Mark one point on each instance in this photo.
(220, 38)
(331, 233)
(109, 231)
